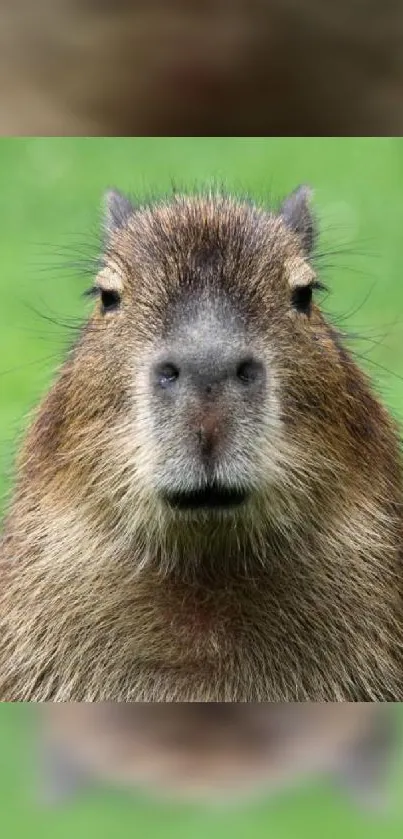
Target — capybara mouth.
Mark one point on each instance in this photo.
(210, 497)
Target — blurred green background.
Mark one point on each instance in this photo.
(50, 199)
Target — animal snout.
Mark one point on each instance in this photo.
(209, 391)
(209, 427)
(207, 375)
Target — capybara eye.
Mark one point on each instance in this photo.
(302, 298)
(110, 300)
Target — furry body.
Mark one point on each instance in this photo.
(107, 592)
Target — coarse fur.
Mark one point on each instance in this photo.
(110, 593)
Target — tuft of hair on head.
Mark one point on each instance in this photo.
(297, 214)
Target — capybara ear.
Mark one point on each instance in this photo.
(297, 214)
(118, 209)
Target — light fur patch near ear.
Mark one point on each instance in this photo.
(109, 279)
(298, 272)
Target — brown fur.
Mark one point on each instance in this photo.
(106, 593)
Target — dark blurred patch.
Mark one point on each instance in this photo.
(216, 752)
(221, 67)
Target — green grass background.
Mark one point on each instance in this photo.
(50, 211)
